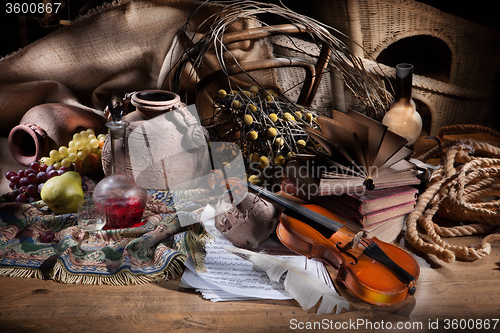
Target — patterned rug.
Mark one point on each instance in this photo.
(153, 252)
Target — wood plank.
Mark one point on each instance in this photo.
(460, 290)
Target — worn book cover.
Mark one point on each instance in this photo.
(366, 219)
(347, 213)
(372, 201)
(386, 231)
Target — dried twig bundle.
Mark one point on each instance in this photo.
(368, 89)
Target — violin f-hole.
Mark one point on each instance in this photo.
(342, 249)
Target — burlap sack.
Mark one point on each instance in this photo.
(128, 46)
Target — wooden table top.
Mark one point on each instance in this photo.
(447, 296)
(447, 293)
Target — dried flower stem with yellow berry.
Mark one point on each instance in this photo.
(269, 130)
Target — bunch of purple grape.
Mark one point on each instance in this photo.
(27, 184)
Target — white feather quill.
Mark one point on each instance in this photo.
(302, 285)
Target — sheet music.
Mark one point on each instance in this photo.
(229, 277)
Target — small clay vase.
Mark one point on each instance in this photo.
(49, 126)
(149, 104)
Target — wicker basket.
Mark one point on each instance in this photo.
(374, 25)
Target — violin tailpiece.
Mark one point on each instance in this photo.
(376, 253)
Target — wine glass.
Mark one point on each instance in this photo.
(91, 218)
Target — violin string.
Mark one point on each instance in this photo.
(365, 242)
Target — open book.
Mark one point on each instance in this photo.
(361, 154)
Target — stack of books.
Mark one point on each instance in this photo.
(361, 173)
(379, 213)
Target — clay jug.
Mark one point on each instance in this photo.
(168, 151)
(49, 126)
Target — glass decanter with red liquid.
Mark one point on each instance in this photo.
(123, 199)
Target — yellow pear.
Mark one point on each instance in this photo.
(63, 193)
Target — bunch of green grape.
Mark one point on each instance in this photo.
(83, 153)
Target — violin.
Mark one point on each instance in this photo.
(377, 272)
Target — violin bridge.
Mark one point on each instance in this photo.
(355, 241)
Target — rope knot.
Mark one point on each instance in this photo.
(464, 189)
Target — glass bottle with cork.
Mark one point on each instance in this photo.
(123, 199)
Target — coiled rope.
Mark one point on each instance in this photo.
(466, 189)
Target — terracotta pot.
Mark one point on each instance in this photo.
(28, 143)
(49, 126)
